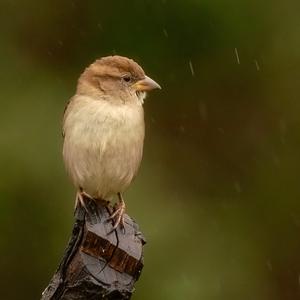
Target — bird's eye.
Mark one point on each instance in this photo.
(127, 78)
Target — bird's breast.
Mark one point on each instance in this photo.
(103, 145)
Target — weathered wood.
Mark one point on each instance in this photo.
(98, 263)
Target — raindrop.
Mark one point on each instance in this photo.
(237, 55)
(269, 265)
(99, 25)
(191, 68)
(256, 65)
(165, 33)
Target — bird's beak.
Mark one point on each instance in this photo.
(146, 84)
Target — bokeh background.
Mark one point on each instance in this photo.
(217, 196)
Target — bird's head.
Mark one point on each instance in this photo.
(115, 78)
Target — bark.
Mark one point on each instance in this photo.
(98, 263)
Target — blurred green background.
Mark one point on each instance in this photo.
(217, 196)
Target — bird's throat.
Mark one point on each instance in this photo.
(141, 96)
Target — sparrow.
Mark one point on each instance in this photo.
(104, 129)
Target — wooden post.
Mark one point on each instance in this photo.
(98, 263)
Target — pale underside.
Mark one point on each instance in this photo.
(103, 144)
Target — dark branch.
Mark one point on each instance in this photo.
(98, 264)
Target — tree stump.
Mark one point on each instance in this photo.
(98, 263)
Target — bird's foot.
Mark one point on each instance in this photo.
(81, 199)
(118, 215)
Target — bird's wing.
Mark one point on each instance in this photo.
(67, 106)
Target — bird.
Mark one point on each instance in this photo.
(104, 129)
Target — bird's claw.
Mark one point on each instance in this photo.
(80, 199)
(118, 215)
